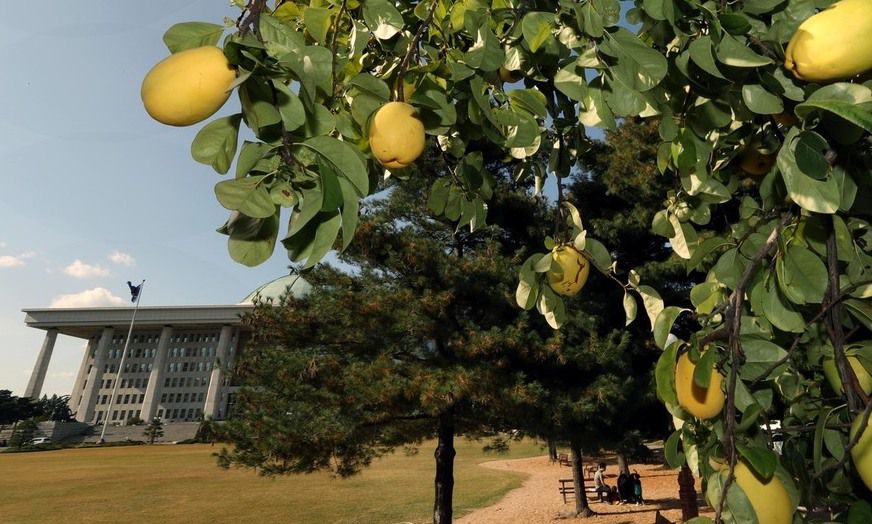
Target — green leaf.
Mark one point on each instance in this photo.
(486, 53)
(761, 460)
(536, 27)
(674, 457)
(382, 18)
(805, 274)
(290, 107)
(189, 35)
(280, 38)
(664, 373)
(629, 308)
(350, 211)
(861, 310)
(820, 196)
(778, 311)
(258, 105)
(702, 372)
(702, 54)
(598, 254)
(249, 155)
(345, 159)
(438, 196)
(860, 513)
(652, 302)
(313, 66)
(663, 324)
(848, 101)
(247, 195)
(318, 21)
(736, 53)
(530, 100)
(809, 154)
(638, 65)
(759, 356)
(570, 81)
(215, 144)
(252, 240)
(761, 101)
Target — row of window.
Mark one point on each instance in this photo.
(181, 398)
(185, 382)
(175, 367)
(124, 399)
(154, 338)
(129, 367)
(180, 413)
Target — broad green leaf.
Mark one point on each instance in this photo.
(652, 302)
(805, 274)
(736, 53)
(530, 100)
(318, 21)
(280, 38)
(439, 196)
(596, 112)
(860, 513)
(702, 54)
(759, 356)
(536, 27)
(809, 151)
(247, 195)
(664, 373)
(781, 314)
(290, 107)
(189, 35)
(761, 460)
(249, 155)
(258, 105)
(674, 457)
(852, 102)
(853, 114)
(598, 254)
(638, 65)
(820, 196)
(861, 310)
(629, 308)
(350, 211)
(570, 81)
(685, 239)
(313, 66)
(382, 18)
(663, 324)
(486, 53)
(215, 144)
(345, 159)
(325, 237)
(702, 372)
(252, 241)
(761, 101)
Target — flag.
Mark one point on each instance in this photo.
(134, 291)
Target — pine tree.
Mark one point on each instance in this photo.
(154, 430)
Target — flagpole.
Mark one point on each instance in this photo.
(121, 364)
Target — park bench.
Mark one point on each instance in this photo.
(563, 460)
(568, 488)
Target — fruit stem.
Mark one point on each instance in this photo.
(413, 46)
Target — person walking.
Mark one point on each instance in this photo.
(637, 488)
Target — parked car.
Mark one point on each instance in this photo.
(40, 440)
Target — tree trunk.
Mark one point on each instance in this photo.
(552, 451)
(442, 507)
(623, 464)
(582, 509)
(687, 494)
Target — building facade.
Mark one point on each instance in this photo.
(179, 360)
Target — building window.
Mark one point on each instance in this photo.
(114, 415)
(126, 399)
(200, 397)
(163, 398)
(141, 398)
(160, 413)
(167, 382)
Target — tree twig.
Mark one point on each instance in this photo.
(413, 45)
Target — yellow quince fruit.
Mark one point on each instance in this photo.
(700, 402)
(396, 135)
(834, 44)
(770, 499)
(575, 269)
(188, 87)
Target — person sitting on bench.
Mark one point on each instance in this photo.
(599, 483)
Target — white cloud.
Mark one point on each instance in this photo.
(10, 261)
(2, 245)
(80, 269)
(96, 297)
(122, 258)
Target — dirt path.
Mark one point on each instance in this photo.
(538, 501)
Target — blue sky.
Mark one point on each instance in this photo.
(92, 191)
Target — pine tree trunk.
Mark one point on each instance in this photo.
(582, 509)
(687, 494)
(623, 464)
(552, 451)
(442, 507)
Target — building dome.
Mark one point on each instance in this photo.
(273, 290)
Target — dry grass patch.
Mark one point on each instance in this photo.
(169, 484)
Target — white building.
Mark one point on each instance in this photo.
(179, 360)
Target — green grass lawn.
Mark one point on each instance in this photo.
(181, 483)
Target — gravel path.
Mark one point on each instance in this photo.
(538, 501)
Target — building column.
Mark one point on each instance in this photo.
(85, 413)
(156, 378)
(37, 376)
(76, 394)
(213, 394)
